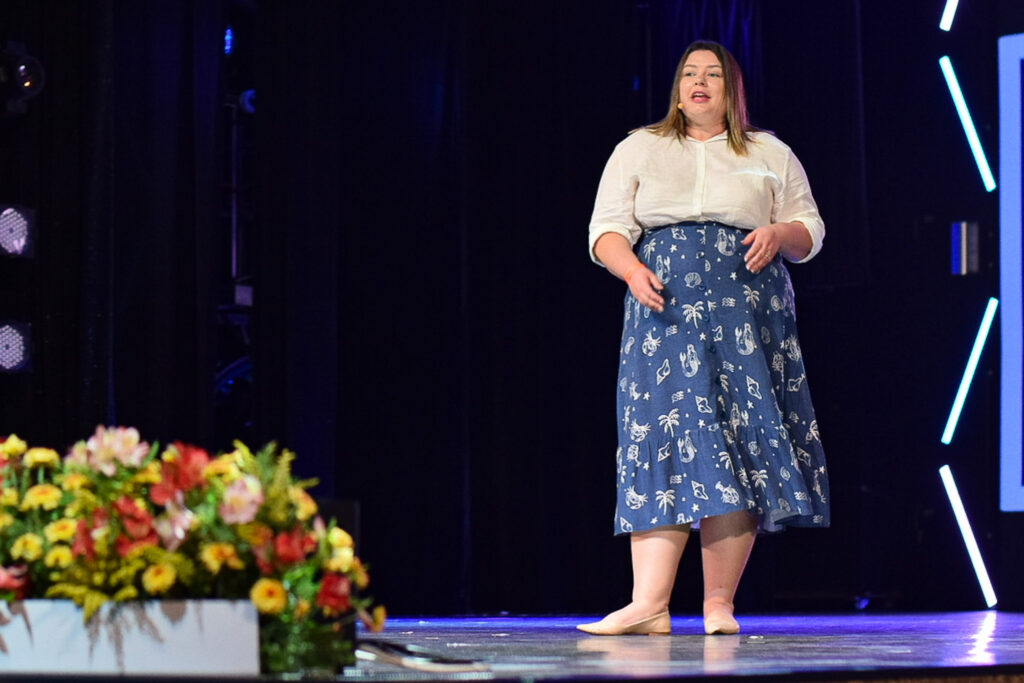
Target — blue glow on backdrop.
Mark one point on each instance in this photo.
(967, 123)
(972, 365)
(946, 22)
(968, 534)
(229, 40)
(1011, 487)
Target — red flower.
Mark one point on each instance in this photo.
(262, 555)
(125, 545)
(181, 473)
(335, 591)
(291, 547)
(137, 522)
(14, 579)
(83, 543)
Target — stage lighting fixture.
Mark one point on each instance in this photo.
(964, 248)
(968, 124)
(972, 365)
(1011, 277)
(968, 534)
(17, 230)
(946, 22)
(14, 347)
(21, 77)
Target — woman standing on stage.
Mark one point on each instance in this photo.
(717, 431)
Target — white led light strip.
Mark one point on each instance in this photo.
(967, 123)
(965, 530)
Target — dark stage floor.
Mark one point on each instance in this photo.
(982, 646)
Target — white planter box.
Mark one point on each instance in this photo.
(178, 637)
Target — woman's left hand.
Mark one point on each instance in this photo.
(764, 242)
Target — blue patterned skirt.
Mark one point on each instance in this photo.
(715, 413)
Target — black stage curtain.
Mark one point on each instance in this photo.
(119, 156)
(430, 336)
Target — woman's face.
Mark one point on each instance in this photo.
(702, 89)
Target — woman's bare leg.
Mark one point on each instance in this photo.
(656, 554)
(726, 542)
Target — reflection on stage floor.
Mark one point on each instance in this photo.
(980, 645)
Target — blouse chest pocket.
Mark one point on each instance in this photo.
(757, 185)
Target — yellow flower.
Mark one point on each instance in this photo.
(302, 608)
(380, 616)
(360, 577)
(45, 496)
(59, 556)
(269, 596)
(74, 481)
(61, 530)
(223, 467)
(6, 519)
(150, 474)
(216, 555)
(255, 534)
(374, 622)
(28, 547)
(341, 560)
(12, 446)
(158, 578)
(41, 457)
(9, 497)
(339, 538)
(305, 506)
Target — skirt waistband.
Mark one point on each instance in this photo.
(691, 224)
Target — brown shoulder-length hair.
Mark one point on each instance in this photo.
(737, 121)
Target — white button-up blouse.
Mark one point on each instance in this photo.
(653, 180)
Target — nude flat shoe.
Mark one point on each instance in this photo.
(720, 622)
(658, 625)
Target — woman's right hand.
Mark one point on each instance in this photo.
(617, 256)
(646, 287)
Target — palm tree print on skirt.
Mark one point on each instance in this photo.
(715, 410)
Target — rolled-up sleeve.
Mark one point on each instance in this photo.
(614, 206)
(795, 203)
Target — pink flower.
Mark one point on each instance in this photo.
(173, 525)
(13, 579)
(242, 500)
(107, 447)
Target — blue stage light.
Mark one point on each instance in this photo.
(965, 530)
(229, 40)
(1011, 217)
(967, 123)
(972, 365)
(946, 22)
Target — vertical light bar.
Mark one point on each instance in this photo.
(967, 123)
(965, 530)
(1011, 220)
(946, 22)
(972, 365)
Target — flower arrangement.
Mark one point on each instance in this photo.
(116, 519)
